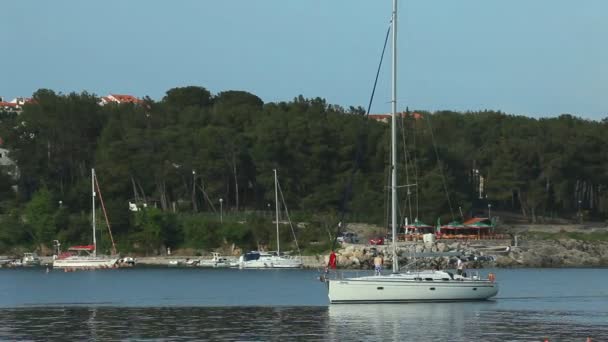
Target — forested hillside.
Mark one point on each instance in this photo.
(184, 153)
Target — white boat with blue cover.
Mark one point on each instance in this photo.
(256, 259)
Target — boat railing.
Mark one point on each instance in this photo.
(409, 266)
(342, 274)
(325, 275)
(472, 275)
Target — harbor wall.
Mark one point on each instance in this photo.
(442, 254)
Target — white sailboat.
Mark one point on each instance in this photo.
(410, 286)
(85, 257)
(257, 259)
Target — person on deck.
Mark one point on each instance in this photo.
(460, 267)
(378, 261)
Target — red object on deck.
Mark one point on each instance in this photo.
(64, 255)
(82, 248)
(376, 241)
(332, 260)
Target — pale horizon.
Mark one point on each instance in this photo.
(539, 59)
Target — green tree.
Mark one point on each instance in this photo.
(39, 215)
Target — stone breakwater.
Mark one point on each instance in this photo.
(442, 254)
(557, 253)
(497, 253)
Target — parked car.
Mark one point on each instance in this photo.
(379, 240)
(348, 237)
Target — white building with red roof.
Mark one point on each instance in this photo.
(15, 105)
(386, 118)
(119, 98)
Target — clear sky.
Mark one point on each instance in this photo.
(529, 57)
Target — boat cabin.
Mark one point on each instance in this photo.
(85, 250)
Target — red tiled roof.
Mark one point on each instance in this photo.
(126, 98)
(380, 116)
(120, 98)
(8, 104)
(475, 220)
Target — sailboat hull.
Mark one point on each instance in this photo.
(77, 262)
(270, 262)
(396, 289)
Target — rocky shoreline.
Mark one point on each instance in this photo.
(481, 254)
(527, 252)
(442, 254)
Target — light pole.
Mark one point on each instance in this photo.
(478, 181)
(194, 207)
(489, 211)
(60, 204)
(221, 210)
(580, 214)
(268, 206)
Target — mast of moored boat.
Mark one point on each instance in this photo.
(93, 211)
(276, 201)
(394, 140)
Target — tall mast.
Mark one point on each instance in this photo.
(276, 201)
(93, 211)
(394, 140)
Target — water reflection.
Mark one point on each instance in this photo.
(393, 321)
(459, 322)
(104, 323)
(396, 322)
(198, 304)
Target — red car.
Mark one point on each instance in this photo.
(376, 241)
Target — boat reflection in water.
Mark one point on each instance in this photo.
(417, 321)
(460, 321)
(479, 321)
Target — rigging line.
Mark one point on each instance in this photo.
(387, 196)
(288, 218)
(415, 164)
(401, 210)
(371, 99)
(408, 201)
(105, 214)
(348, 189)
(445, 187)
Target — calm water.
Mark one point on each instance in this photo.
(282, 305)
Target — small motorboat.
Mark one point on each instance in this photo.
(175, 263)
(183, 263)
(30, 259)
(216, 261)
(126, 261)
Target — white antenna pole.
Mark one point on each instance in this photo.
(394, 141)
(276, 201)
(93, 211)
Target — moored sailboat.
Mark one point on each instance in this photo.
(275, 259)
(85, 257)
(410, 286)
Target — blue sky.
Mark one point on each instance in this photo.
(537, 58)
